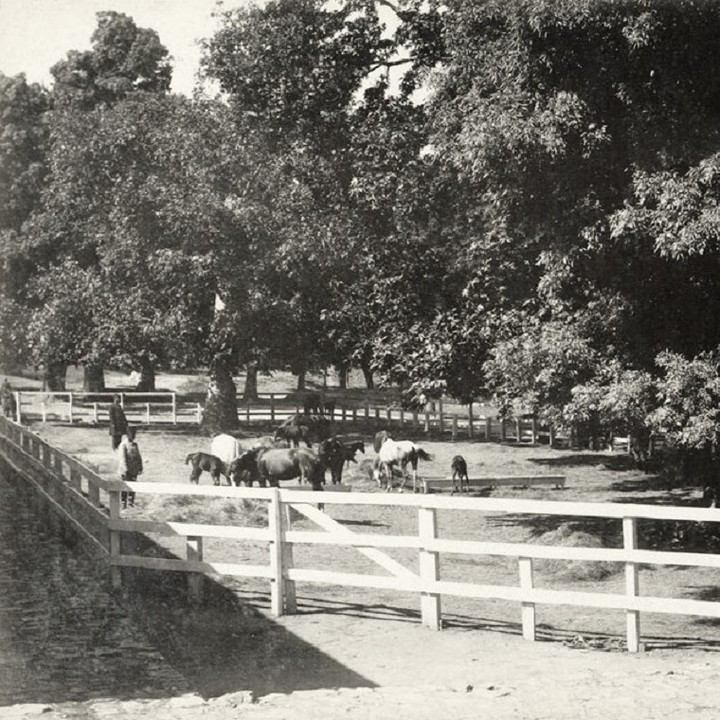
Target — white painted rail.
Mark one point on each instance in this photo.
(92, 505)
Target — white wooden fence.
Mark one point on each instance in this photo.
(168, 407)
(92, 505)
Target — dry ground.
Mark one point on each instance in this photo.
(362, 653)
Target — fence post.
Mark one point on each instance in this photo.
(343, 412)
(194, 553)
(503, 436)
(43, 405)
(272, 408)
(247, 412)
(18, 411)
(70, 408)
(429, 563)
(534, 431)
(632, 585)
(122, 400)
(75, 479)
(93, 493)
(354, 416)
(47, 456)
(174, 409)
(59, 467)
(289, 585)
(518, 430)
(454, 427)
(199, 413)
(115, 551)
(488, 428)
(367, 411)
(427, 421)
(528, 608)
(551, 436)
(96, 417)
(402, 416)
(377, 416)
(441, 417)
(388, 415)
(276, 554)
(470, 420)
(147, 413)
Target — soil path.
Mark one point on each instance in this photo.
(419, 674)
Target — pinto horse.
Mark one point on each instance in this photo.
(398, 454)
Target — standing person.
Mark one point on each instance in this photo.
(130, 464)
(118, 422)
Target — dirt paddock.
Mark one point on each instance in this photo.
(360, 653)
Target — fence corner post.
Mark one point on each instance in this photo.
(632, 585)
(429, 570)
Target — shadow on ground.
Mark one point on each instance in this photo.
(224, 644)
(65, 637)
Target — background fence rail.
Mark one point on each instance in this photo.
(271, 408)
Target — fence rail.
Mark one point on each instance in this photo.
(92, 505)
(175, 409)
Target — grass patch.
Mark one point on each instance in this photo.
(221, 511)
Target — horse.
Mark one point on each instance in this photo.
(332, 453)
(380, 438)
(210, 463)
(286, 464)
(225, 447)
(244, 468)
(312, 403)
(293, 434)
(459, 470)
(399, 454)
(304, 428)
(351, 449)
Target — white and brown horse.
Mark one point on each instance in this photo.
(398, 454)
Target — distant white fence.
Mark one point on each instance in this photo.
(172, 408)
(92, 505)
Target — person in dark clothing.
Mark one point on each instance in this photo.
(118, 422)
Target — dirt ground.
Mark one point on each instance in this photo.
(362, 653)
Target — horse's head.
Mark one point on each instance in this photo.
(246, 462)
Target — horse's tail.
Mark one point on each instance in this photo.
(423, 455)
(190, 458)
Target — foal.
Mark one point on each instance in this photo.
(459, 470)
(210, 463)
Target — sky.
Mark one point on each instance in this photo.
(35, 34)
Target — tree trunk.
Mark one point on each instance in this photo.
(342, 373)
(220, 413)
(55, 376)
(251, 387)
(368, 375)
(93, 378)
(301, 381)
(147, 376)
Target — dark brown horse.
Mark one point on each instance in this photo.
(304, 428)
(332, 454)
(209, 463)
(269, 466)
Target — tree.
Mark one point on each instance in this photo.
(123, 59)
